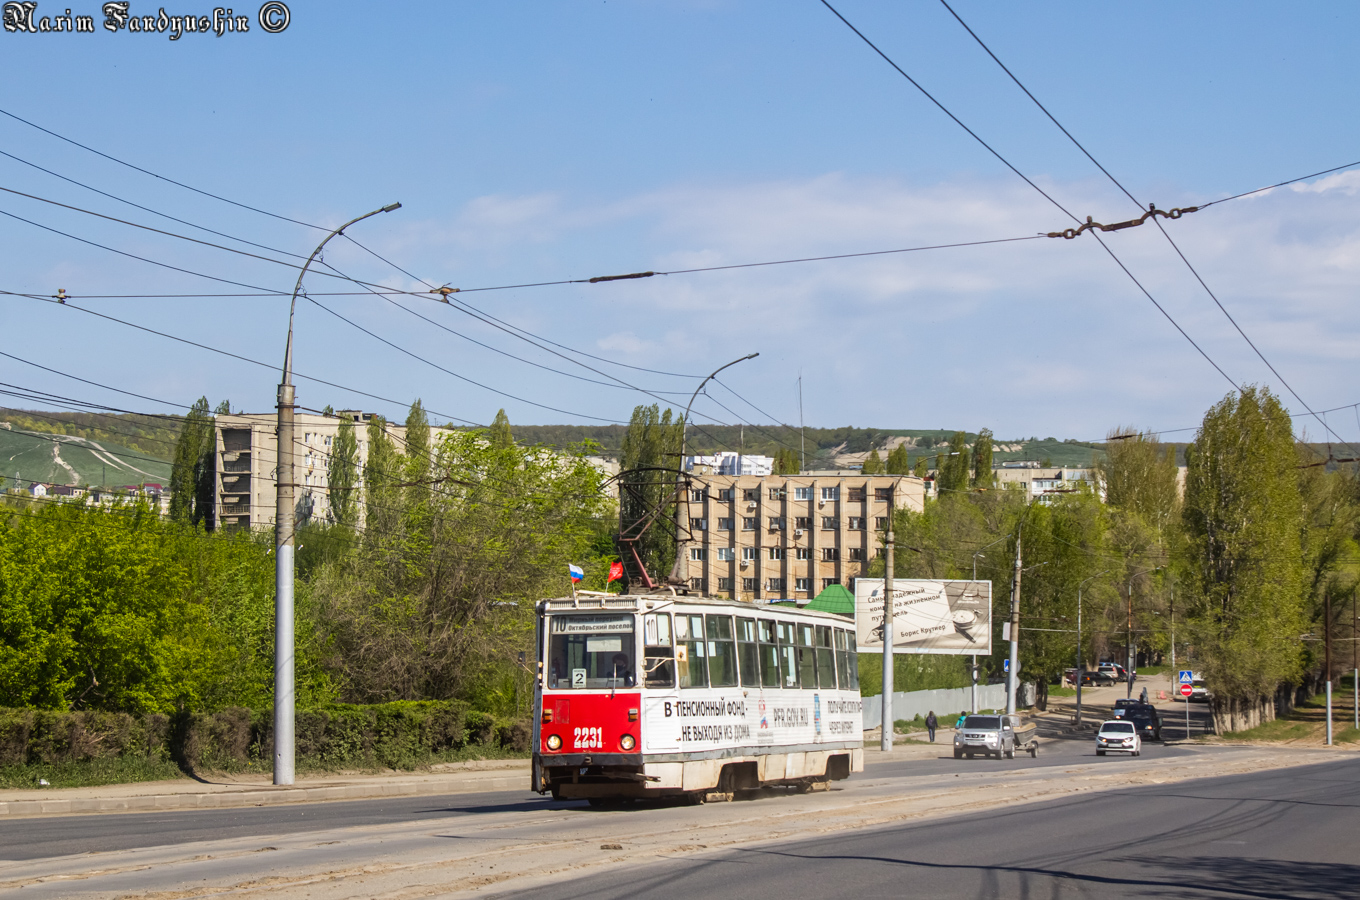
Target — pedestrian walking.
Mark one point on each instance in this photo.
(1142, 698)
(931, 724)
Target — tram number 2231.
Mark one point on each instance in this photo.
(587, 738)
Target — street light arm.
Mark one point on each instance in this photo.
(685, 426)
(292, 306)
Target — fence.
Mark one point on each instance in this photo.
(947, 703)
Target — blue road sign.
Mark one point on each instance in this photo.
(1187, 677)
(1005, 665)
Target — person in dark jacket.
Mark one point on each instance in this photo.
(931, 724)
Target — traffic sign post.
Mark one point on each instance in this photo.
(1186, 690)
(1186, 676)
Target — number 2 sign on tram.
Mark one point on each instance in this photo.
(649, 696)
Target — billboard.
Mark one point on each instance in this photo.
(929, 616)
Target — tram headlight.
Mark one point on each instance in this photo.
(627, 742)
(554, 742)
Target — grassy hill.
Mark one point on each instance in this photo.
(73, 459)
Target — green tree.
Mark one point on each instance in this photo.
(786, 461)
(382, 473)
(922, 467)
(191, 468)
(982, 460)
(342, 475)
(873, 463)
(651, 445)
(898, 463)
(1244, 576)
(418, 452)
(1139, 475)
(954, 466)
(499, 433)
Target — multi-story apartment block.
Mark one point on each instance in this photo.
(247, 460)
(770, 537)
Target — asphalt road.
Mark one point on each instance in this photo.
(1284, 833)
(52, 836)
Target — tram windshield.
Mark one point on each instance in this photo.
(591, 652)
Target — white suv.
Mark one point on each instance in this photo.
(1118, 736)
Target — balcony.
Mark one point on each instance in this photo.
(235, 509)
(236, 462)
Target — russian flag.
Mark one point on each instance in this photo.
(577, 573)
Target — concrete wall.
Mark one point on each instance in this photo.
(947, 703)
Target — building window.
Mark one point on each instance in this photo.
(698, 554)
(698, 524)
(802, 493)
(696, 584)
(776, 584)
(750, 493)
(857, 495)
(748, 554)
(724, 584)
(725, 494)
(748, 585)
(831, 554)
(802, 553)
(856, 523)
(777, 493)
(724, 524)
(883, 493)
(831, 493)
(776, 553)
(827, 582)
(804, 522)
(881, 523)
(726, 554)
(857, 554)
(696, 496)
(802, 584)
(777, 523)
(830, 523)
(748, 523)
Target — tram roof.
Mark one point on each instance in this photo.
(594, 603)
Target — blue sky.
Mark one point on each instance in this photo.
(545, 141)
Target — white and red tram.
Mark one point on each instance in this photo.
(659, 695)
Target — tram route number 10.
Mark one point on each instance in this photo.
(587, 738)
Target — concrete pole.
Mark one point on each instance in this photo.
(1079, 661)
(886, 744)
(1329, 713)
(1012, 680)
(1128, 661)
(284, 694)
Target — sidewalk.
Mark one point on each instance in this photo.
(256, 790)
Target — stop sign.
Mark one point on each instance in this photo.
(1186, 690)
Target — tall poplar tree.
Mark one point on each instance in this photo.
(342, 475)
(873, 463)
(898, 462)
(652, 441)
(191, 489)
(1245, 586)
(982, 460)
(954, 467)
(499, 434)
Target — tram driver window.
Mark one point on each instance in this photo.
(658, 650)
(591, 652)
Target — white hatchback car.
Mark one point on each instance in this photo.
(1118, 736)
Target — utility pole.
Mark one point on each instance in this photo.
(1128, 661)
(886, 744)
(1012, 680)
(1173, 627)
(802, 441)
(1327, 655)
(1355, 662)
(284, 690)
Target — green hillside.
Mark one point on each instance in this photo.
(71, 459)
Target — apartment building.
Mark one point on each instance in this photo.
(247, 463)
(1044, 483)
(771, 537)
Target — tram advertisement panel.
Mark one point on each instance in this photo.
(929, 616)
(706, 720)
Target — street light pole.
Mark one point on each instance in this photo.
(886, 735)
(284, 691)
(1128, 681)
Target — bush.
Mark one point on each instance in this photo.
(98, 748)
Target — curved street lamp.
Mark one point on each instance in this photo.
(284, 693)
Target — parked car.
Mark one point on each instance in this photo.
(1118, 736)
(994, 736)
(1096, 678)
(1116, 672)
(1199, 693)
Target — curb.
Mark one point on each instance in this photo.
(266, 797)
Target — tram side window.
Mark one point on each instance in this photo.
(748, 652)
(842, 659)
(591, 652)
(853, 655)
(769, 654)
(788, 654)
(722, 652)
(658, 650)
(689, 651)
(826, 665)
(807, 666)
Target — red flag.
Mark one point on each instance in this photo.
(615, 571)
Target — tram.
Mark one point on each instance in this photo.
(662, 695)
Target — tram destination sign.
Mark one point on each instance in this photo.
(929, 616)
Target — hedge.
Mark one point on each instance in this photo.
(403, 735)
